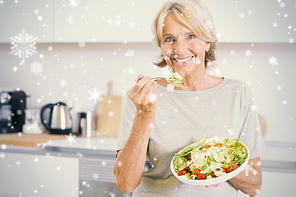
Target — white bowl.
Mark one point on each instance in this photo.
(211, 181)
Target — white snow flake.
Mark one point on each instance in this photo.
(117, 22)
(3, 146)
(36, 67)
(23, 46)
(63, 82)
(111, 113)
(15, 68)
(70, 19)
(130, 71)
(2, 155)
(70, 138)
(36, 11)
(95, 95)
(80, 192)
(38, 101)
(291, 40)
(273, 61)
(36, 159)
(248, 53)
(130, 53)
(73, 3)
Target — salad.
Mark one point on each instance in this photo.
(174, 79)
(209, 160)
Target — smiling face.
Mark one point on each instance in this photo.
(182, 50)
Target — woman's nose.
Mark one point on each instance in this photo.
(180, 47)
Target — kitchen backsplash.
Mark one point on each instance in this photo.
(72, 73)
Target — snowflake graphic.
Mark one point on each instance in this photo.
(248, 53)
(130, 71)
(273, 61)
(117, 22)
(169, 51)
(36, 159)
(80, 192)
(36, 11)
(3, 146)
(84, 183)
(70, 19)
(274, 24)
(291, 40)
(131, 24)
(1, 1)
(70, 138)
(50, 142)
(36, 68)
(73, 3)
(38, 101)
(111, 113)
(130, 53)
(109, 22)
(23, 46)
(15, 68)
(2, 155)
(95, 95)
(63, 82)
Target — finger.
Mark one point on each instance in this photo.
(139, 85)
(208, 186)
(143, 93)
(140, 76)
(216, 185)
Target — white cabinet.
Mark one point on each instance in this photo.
(104, 21)
(254, 21)
(129, 20)
(38, 175)
(33, 16)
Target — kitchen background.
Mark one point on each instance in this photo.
(82, 45)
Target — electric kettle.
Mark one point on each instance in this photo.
(59, 121)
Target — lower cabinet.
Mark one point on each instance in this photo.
(28, 175)
(275, 184)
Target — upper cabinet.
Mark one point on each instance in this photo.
(130, 20)
(27, 20)
(253, 20)
(104, 20)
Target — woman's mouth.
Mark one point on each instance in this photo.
(183, 60)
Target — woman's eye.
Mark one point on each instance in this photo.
(169, 39)
(191, 36)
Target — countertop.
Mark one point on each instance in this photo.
(277, 157)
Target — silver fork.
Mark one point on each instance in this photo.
(156, 78)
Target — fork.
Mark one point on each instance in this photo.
(156, 78)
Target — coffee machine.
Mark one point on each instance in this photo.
(12, 111)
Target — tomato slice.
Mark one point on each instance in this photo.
(201, 176)
(183, 172)
(196, 171)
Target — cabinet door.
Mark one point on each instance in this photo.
(253, 21)
(129, 20)
(33, 16)
(37, 175)
(104, 20)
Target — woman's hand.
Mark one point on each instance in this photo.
(216, 185)
(143, 95)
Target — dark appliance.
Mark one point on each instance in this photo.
(59, 118)
(12, 111)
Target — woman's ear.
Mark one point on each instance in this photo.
(207, 46)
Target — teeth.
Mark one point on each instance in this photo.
(183, 60)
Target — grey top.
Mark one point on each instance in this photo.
(182, 118)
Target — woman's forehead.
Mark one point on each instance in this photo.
(171, 21)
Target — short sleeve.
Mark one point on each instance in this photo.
(250, 132)
(127, 119)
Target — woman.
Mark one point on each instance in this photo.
(157, 128)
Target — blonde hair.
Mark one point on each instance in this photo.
(193, 14)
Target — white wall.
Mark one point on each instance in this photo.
(104, 62)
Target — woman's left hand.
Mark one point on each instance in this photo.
(216, 185)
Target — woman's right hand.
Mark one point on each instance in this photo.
(143, 95)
